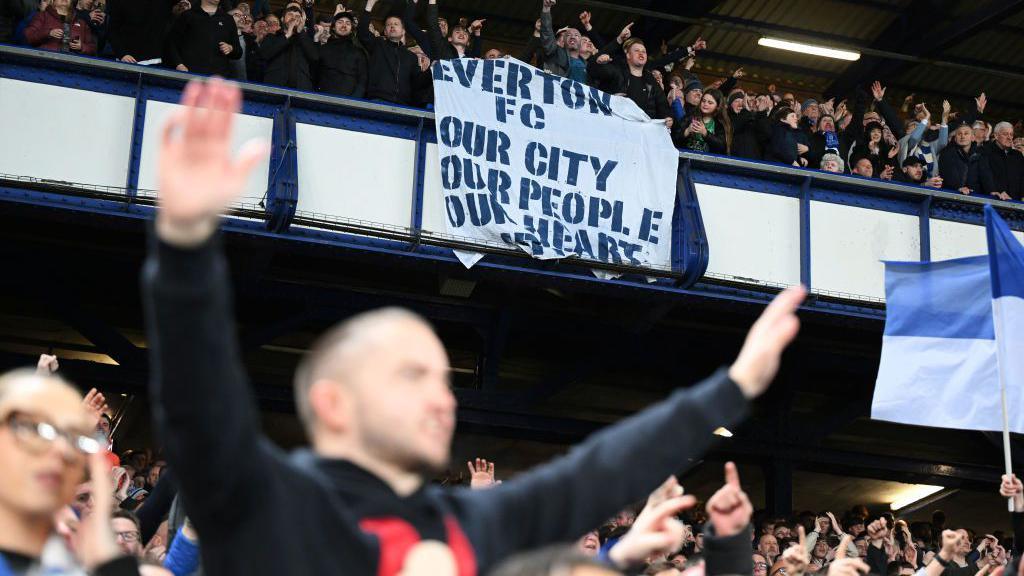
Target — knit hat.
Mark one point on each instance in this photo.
(807, 103)
(350, 15)
(693, 84)
(734, 97)
(912, 161)
(834, 157)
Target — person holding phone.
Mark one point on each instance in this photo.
(59, 28)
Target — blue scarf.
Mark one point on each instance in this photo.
(831, 141)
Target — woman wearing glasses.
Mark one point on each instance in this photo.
(47, 440)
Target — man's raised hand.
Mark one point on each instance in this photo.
(797, 558)
(729, 509)
(655, 531)
(47, 364)
(199, 177)
(481, 474)
(758, 361)
(843, 566)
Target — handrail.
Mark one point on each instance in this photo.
(916, 192)
(49, 56)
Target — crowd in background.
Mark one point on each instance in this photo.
(343, 52)
(146, 519)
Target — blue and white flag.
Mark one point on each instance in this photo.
(939, 363)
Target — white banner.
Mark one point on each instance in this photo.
(555, 167)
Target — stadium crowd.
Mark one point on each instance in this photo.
(128, 518)
(344, 53)
(373, 393)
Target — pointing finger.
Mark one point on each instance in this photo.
(732, 475)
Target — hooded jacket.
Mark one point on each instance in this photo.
(259, 511)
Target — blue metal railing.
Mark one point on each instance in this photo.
(690, 254)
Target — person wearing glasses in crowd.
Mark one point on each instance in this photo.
(47, 438)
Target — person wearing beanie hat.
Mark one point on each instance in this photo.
(809, 114)
(831, 162)
(342, 66)
(745, 126)
(913, 172)
(876, 149)
(290, 55)
(784, 145)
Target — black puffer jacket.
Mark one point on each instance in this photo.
(343, 67)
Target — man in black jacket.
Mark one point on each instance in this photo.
(138, 27)
(289, 54)
(374, 396)
(959, 160)
(631, 77)
(342, 69)
(203, 39)
(394, 72)
(1001, 170)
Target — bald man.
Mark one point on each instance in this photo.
(46, 438)
(374, 395)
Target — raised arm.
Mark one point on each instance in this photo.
(200, 398)
(547, 32)
(367, 39)
(434, 35)
(619, 465)
(413, 29)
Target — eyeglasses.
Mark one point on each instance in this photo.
(37, 436)
(129, 536)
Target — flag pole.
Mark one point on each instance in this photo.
(991, 219)
(997, 321)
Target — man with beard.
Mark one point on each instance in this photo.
(290, 54)
(374, 394)
(561, 53)
(342, 63)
